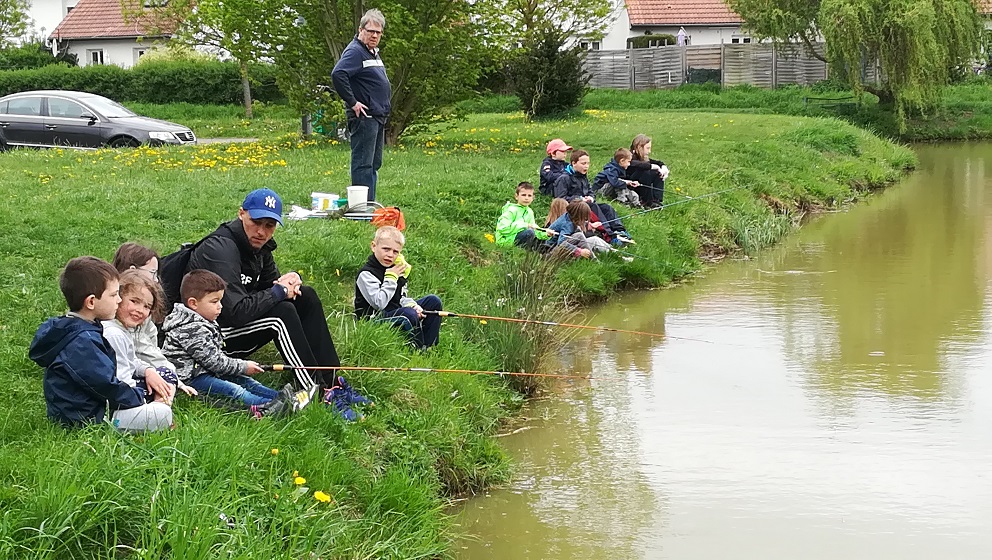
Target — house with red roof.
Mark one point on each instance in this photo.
(697, 22)
(99, 32)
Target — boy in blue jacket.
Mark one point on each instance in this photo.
(80, 365)
(612, 183)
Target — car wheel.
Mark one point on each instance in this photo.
(124, 142)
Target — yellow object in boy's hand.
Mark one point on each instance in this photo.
(401, 261)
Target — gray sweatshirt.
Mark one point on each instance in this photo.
(196, 346)
(129, 366)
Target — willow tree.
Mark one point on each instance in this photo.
(917, 44)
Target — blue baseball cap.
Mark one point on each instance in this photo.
(263, 203)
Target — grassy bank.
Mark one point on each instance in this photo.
(965, 114)
(97, 494)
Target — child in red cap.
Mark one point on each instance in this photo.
(553, 165)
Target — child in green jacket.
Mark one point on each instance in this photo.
(516, 224)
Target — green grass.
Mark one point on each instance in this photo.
(97, 494)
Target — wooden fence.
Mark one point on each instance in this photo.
(758, 64)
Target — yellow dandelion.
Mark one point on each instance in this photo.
(321, 497)
(491, 238)
(296, 473)
(275, 451)
(483, 322)
(299, 480)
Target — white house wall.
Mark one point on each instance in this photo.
(46, 15)
(115, 51)
(616, 36)
(618, 33)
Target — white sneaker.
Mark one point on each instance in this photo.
(627, 259)
(625, 240)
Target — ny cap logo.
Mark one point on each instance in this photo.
(270, 201)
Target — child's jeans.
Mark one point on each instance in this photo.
(239, 387)
(424, 332)
(527, 238)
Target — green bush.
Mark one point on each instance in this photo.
(647, 41)
(212, 82)
(32, 55)
(549, 79)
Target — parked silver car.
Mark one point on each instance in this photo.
(46, 119)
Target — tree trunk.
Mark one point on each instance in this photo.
(245, 88)
(306, 125)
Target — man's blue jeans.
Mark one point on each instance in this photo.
(240, 387)
(368, 136)
(424, 332)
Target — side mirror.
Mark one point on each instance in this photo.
(90, 116)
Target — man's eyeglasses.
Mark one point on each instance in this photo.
(372, 31)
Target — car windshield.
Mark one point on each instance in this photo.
(106, 107)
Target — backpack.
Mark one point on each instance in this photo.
(172, 268)
(391, 216)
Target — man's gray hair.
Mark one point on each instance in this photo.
(372, 15)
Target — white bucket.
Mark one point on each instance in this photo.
(322, 201)
(357, 195)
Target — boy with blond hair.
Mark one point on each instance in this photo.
(80, 365)
(380, 291)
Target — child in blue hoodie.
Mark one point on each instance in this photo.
(612, 183)
(80, 365)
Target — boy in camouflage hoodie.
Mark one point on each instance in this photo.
(193, 342)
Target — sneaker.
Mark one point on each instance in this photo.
(256, 411)
(627, 259)
(624, 239)
(353, 396)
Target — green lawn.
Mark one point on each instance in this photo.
(96, 494)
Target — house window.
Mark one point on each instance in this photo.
(738, 40)
(590, 45)
(95, 56)
(139, 52)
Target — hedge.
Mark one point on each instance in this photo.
(211, 82)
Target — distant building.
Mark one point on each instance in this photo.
(701, 22)
(45, 15)
(97, 33)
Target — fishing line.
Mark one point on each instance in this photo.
(284, 367)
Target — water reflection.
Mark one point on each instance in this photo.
(840, 408)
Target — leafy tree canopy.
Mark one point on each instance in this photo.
(917, 44)
(13, 19)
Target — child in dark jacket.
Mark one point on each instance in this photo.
(193, 342)
(80, 365)
(574, 185)
(553, 166)
(380, 289)
(612, 183)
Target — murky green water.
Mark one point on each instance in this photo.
(843, 410)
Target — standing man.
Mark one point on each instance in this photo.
(360, 79)
(259, 304)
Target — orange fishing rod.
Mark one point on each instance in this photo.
(556, 324)
(284, 367)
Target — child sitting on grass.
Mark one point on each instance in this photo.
(516, 224)
(132, 256)
(554, 165)
(380, 290)
(573, 185)
(140, 296)
(80, 368)
(555, 211)
(611, 181)
(194, 343)
(576, 234)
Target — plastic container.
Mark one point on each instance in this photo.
(357, 195)
(322, 201)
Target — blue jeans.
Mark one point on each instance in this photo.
(368, 136)
(424, 332)
(240, 388)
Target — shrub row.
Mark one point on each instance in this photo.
(212, 82)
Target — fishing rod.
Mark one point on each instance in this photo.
(284, 367)
(557, 324)
(663, 206)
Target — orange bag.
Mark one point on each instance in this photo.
(390, 216)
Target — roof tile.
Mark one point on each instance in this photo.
(105, 18)
(680, 12)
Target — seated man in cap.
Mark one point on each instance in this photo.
(260, 304)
